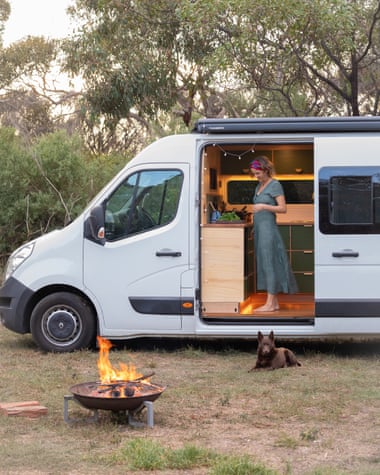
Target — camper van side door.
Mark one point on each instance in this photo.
(135, 276)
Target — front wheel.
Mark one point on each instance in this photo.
(63, 322)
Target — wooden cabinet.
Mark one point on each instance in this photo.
(226, 266)
(299, 241)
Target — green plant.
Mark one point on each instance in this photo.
(229, 216)
(310, 435)
(239, 466)
(145, 454)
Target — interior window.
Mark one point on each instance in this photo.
(144, 201)
(349, 200)
(296, 191)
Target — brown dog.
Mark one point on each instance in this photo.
(270, 357)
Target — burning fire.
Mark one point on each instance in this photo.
(108, 373)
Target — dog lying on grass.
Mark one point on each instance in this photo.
(270, 357)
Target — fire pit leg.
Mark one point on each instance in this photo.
(68, 419)
(149, 415)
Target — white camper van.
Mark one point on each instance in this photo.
(147, 258)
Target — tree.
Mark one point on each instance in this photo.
(236, 57)
(308, 57)
(30, 99)
(5, 11)
(141, 60)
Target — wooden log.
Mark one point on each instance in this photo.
(6, 405)
(31, 409)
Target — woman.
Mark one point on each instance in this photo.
(273, 272)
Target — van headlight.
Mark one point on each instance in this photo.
(17, 258)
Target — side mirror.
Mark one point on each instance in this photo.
(94, 229)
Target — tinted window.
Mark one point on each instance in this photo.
(349, 200)
(144, 201)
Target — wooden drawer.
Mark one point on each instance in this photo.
(305, 281)
(302, 261)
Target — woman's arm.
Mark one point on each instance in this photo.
(279, 208)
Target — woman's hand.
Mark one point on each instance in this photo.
(259, 207)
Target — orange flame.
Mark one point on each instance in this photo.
(109, 374)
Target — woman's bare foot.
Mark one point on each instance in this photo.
(267, 308)
(271, 305)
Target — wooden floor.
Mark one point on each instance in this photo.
(291, 306)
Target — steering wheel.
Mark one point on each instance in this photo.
(145, 219)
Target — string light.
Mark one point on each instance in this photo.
(239, 156)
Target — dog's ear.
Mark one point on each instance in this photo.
(260, 336)
(271, 335)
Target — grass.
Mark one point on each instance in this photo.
(213, 418)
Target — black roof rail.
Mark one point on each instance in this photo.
(288, 124)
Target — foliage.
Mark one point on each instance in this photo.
(5, 11)
(26, 57)
(152, 68)
(30, 99)
(232, 58)
(240, 466)
(301, 57)
(140, 59)
(45, 186)
(144, 454)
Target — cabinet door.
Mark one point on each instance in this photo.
(302, 237)
(222, 264)
(285, 234)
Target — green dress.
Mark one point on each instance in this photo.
(273, 272)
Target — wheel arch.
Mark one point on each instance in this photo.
(51, 289)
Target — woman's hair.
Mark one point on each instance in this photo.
(262, 163)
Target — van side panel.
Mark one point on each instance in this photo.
(347, 258)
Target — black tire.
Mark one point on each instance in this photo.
(63, 322)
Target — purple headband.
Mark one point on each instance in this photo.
(256, 165)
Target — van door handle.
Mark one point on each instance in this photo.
(346, 253)
(168, 253)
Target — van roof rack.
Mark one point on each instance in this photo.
(288, 124)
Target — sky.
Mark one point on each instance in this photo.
(37, 18)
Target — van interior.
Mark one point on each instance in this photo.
(228, 283)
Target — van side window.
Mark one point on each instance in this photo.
(145, 200)
(349, 200)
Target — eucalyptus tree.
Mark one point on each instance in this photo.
(29, 94)
(5, 11)
(305, 57)
(142, 60)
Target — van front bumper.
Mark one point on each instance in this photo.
(14, 299)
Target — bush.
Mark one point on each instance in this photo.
(46, 186)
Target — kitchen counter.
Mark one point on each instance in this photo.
(226, 224)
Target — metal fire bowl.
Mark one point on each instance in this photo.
(82, 393)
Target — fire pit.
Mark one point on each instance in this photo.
(120, 396)
(118, 390)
